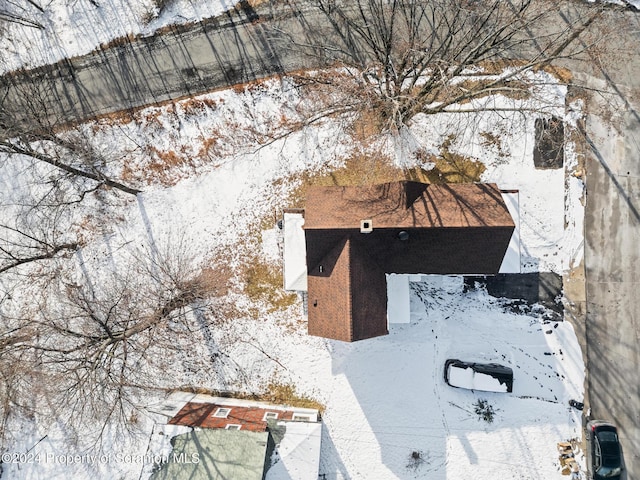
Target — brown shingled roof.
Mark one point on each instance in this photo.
(340, 307)
(406, 204)
(198, 414)
(417, 228)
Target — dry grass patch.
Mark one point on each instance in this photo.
(564, 75)
(473, 89)
(213, 146)
(255, 3)
(370, 169)
(197, 106)
(370, 122)
(275, 392)
(264, 283)
(164, 167)
(286, 394)
(213, 281)
(455, 168)
(452, 167)
(359, 170)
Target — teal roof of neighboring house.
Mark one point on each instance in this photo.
(217, 454)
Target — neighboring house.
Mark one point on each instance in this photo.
(242, 439)
(218, 455)
(354, 236)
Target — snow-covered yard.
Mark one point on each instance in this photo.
(389, 398)
(389, 413)
(73, 28)
(211, 190)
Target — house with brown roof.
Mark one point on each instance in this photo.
(239, 415)
(354, 236)
(232, 438)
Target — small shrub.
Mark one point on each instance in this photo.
(484, 410)
(155, 10)
(494, 142)
(195, 106)
(417, 458)
(134, 418)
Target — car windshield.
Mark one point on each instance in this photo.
(608, 436)
(607, 471)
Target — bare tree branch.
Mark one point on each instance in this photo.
(97, 345)
(48, 254)
(413, 55)
(13, 147)
(13, 18)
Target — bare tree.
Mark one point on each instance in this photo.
(20, 246)
(49, 171)
(39, 211)
(51, 149)
(404, 57)
(93, 345)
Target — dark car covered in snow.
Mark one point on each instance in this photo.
(488, 377)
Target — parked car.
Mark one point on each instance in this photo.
(488, 377)
(605, 460)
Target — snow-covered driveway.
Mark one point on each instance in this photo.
(389, 398)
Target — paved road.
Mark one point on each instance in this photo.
(612, 234)
(612, 255)
(251, 44)
(233, 48)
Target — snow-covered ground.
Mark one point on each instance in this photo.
(385, 398)
(629, 3)
(207, 186)
(400, 402)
